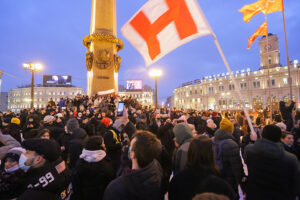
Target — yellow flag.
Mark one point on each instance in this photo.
(265, 6)
(251, 10)
(273, 6)
(262, 30)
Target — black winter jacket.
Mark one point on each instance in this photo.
(273, 172)
(286, 113)
(166, 136)
(142, 184)
(11, 184)
(112, 141)
(89, 179)
(15, 131)
(231, 158)
(51, 178)
(187, 183)
(75, 146)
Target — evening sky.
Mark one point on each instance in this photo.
(51, 32)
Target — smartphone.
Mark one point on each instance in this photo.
(120, 108)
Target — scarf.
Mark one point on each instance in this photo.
(92, 156)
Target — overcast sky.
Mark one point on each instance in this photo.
(51, 32)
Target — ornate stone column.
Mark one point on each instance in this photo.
(102, 61)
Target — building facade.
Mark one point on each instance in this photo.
(20, 98)
(217, 92)
(144, 96)
(3, 101)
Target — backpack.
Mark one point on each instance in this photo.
(224, 170)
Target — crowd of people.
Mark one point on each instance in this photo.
(83, 149)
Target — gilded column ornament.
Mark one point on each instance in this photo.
(87, 40)
(104, 60)
(89, 60)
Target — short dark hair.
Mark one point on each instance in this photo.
(272, 133)
(43, 131)
(285, 133)
(94, 143)
(147, 147)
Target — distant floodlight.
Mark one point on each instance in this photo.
(55, 78)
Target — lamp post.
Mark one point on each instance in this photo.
(155, 73)
(32, 67)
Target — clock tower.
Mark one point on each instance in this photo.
(274, 55)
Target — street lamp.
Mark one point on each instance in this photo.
(155, 73)
(32, 67)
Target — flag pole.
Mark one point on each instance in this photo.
(229, 70)
(287, 53)
(269, 78)
(234, 82)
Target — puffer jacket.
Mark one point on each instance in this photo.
(145, 183)
(89, 179)
(286, 112)
(51, 179)
(231, 158)
(273, 172)
(75, 146)
(8, 143)
(11, 184)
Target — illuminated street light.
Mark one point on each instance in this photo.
(155, 73)
(32, 67)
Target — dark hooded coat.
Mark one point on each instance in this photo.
(145, 183)
(273, 172)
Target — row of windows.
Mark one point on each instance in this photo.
(26, 106)
(138, 95)
(229, 103)
(257, 100)
(64, 93)
(243, 86)
(49, 93)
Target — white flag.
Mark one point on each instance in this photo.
(161, 26)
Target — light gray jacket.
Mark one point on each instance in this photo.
(8, 143)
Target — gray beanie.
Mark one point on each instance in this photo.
(182, 132)
(72, 124)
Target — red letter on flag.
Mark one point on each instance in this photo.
(161, 26)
